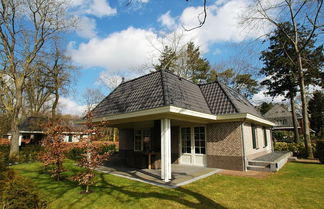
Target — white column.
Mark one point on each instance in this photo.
(20, 139)
(166, 149)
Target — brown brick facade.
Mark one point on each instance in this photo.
(224, 146)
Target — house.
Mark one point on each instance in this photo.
(165, 119)
(32, 131)
(282, 117)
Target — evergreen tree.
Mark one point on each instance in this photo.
(187, 63)
(281, 69)
(242, 83)
(167, 60)
(316, 110)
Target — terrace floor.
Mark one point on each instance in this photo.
(181, 174)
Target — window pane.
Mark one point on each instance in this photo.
(197, 151)
(203, 151)
(188, 150)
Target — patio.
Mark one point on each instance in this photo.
(181, 174)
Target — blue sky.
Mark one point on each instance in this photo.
(114, 40)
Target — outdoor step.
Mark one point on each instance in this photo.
(257, 168)
(258, 163)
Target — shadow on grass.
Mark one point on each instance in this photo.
(176, 195)
(69, 192)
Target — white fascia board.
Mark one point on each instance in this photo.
(192, 113)
(159, 110)
(260, 120)
(244, 116)
(153, 111)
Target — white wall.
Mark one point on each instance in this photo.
(248, 143)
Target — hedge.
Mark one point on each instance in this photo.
(320, 151)
(298, 149)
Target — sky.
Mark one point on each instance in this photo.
(114, 40)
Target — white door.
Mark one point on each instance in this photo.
(193, 146)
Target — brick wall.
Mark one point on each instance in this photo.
(224, 146)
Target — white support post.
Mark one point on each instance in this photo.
(20, 139)
(166, 149)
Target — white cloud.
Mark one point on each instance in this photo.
(97, 8)
(119, 51)
(144, 1)
(133, 47)
(101, 8)
(261, 97)
(86, 27)
(222, 23)
(68, 106)
(167, 21)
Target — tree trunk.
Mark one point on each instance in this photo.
(14, 144)
(55, 103)
(294, 119)
(307, 139)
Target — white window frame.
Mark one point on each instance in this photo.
(142, 138)
(192, 132)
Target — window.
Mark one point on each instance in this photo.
(265, 137)
(200, 140)
(186, 140)
(254, 141)
(138, 140)
(142, 140)
(193, 138)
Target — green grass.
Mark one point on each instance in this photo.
(297, 185)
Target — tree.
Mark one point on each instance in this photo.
(91, 159)
(186, 63)
(167, 60)
(242, 83)
(281, 72)
(265, 107)
(54, 154)
(245, 85)
(316, 110)
(92, 97)
(27, 28)
(298, 13)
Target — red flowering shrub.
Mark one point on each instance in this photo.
(53, 155)
(92, 157)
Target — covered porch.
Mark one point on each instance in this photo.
(158, 147)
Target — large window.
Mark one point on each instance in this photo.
(186, 140)
(265, 137)
(254, 140)
(142, 140)
(200, 140)
(193, 138)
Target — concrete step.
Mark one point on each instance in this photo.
(258, 168)
(259, 163)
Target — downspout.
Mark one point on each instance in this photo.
(244, 160)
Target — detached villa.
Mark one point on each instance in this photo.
(164, 119)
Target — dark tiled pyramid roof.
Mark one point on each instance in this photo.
(218, 101)
(163, 88)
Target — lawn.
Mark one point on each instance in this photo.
(297, 185)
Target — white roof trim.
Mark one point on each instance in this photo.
(243, 116)
(159, 110)
(185, 112)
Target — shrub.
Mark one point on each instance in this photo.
(28, 153)
(298, 149)
(19, 192)
(75, 153)
(320, 151)
(107, 148)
